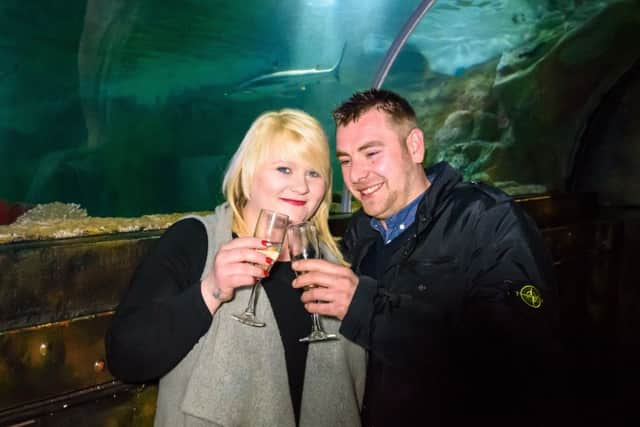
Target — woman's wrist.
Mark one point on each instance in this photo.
(212, 296)
(217, 294)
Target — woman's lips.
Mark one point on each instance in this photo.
(294, 202)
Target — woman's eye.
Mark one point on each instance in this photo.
(314, 174)
(283, 169)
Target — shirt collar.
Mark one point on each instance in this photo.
(397, 222)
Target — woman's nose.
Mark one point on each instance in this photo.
(300, 184)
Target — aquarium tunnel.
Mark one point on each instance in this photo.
(117, 118)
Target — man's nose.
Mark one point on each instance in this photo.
(357, 172)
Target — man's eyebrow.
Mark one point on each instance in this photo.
(363, 147)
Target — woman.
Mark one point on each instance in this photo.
(175, 321)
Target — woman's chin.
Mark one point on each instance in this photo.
(295, 217)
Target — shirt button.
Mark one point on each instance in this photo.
(422, 287)
(401, 226)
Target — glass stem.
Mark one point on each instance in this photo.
(251, 307)
(316, 327)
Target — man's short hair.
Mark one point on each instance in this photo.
(398, 108)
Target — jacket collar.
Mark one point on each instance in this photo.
(446, 178)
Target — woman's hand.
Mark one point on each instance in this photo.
(237, 264)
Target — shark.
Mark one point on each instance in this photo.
(284, 82)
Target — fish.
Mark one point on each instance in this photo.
(285, 81)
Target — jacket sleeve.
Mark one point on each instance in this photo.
(509, 320)
(512, 294)
(162, 315)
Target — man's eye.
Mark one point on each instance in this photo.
(344, 162)
(283, 169)
(372, 153)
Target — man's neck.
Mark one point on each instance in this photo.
(422, 185)
(397, 223)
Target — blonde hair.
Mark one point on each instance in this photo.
(292, 133)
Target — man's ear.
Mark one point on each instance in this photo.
(415, 145)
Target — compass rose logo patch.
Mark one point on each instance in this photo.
(530, 295)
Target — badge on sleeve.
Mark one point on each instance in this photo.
(530, 295)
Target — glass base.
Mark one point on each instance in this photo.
(248, 318)
(316, 336)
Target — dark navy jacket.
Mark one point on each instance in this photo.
(458, 313)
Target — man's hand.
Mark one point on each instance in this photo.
(332, 285)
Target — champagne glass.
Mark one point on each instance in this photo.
(272, 227)
(303, 244)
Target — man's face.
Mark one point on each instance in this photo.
(381, 165)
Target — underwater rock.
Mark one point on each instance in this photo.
(64, 220)
(458, 110)
(457, 128)
(475, 92)
(462, 34)
(51, 212)
(485, 126)
(520, 59)
(472, 158)
(549, 87)
(554, 24)
(439, 96)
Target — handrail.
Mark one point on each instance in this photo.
(387, 62)
(400, 40)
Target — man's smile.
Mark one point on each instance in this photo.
(370, 190)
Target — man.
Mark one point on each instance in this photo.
(450, 289)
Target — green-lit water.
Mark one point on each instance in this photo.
(134, 107)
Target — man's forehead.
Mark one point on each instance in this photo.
(375, 121)
(360, 145)
(361, 135)
(373, 115)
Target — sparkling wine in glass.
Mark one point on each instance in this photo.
(303, 244)
(271, 227)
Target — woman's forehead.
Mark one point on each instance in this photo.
(289, 157)
(304, 160)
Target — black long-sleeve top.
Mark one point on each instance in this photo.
(163, 314)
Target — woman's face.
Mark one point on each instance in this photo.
(286, 185)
